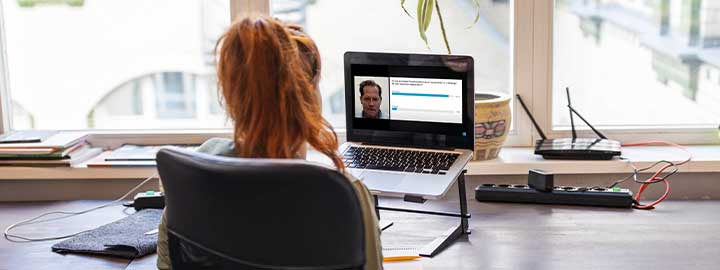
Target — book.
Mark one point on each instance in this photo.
(57, 142)
(27, 151)
(100, 162)
(22, 154)
(26, 136)
(75, 157)
(131, 155)
(132, 152)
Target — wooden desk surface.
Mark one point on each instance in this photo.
(677, 235)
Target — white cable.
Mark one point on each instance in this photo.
(26, 222)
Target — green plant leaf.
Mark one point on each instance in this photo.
(424, 15)
(429, 4)
(402, 4)
(442, 27)
(476, 3)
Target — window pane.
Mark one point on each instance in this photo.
(641, 63)
(383, 26)
(114, 64)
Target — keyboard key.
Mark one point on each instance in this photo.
(398, 159)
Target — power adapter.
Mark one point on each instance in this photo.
(148, 199)
(541, 180)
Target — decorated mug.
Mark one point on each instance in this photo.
(492, 124)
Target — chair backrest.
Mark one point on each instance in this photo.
(242, 213)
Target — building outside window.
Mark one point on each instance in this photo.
(93, 64)
(638, 64)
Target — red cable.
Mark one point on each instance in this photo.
(646, 184)
(655, 177)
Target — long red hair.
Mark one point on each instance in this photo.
(267, 74)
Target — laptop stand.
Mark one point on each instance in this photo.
(449, 236)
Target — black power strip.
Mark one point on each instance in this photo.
(614, 197)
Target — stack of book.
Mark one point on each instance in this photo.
(45, 148)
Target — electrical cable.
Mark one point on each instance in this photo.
(636, 171)
(16, 238)
(657, 177)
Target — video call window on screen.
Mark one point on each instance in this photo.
(373, 100)
(409, 99)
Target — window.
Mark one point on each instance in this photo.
(382, 25)
(167, 99)
(113, 64)
(637, 64)
(636, 69)
(23, 119)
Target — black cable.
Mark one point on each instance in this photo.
(637, 171)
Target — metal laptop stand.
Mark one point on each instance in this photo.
(449, 236)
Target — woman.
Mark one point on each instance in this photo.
(268, 73)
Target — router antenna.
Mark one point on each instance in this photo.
(597, 132)
(537, 127)
(572, 122)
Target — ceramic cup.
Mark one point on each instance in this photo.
(492, 124)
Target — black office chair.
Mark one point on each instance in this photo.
(240, 213)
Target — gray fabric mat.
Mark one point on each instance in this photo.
(124, 238)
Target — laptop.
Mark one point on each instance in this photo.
(409, 121)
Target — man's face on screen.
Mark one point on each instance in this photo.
(370, 101)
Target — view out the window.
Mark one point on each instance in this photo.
(638, 63)
(114, 64)
(383, 26)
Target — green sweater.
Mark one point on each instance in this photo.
(226, 147)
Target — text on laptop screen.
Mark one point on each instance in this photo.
(432, 100)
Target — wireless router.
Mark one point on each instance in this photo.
(573, 148)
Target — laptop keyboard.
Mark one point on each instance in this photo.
(399, 160)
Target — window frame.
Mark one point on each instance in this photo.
(4, 93)
(532, 67)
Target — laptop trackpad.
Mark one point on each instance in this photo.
(381, 181)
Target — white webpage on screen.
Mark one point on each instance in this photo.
(427, 100)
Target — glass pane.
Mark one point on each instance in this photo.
(114, 64)
(383, 26)
(641, 63)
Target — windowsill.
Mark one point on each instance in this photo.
(512, 161)
(517, 160)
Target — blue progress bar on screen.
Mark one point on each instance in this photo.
(419, 94)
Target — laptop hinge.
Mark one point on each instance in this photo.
(411, 146)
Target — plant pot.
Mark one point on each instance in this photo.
(492, 124)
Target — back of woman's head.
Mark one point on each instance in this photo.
(267, 74)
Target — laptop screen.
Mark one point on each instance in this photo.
(409, 99)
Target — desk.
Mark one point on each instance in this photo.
(677, 235)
